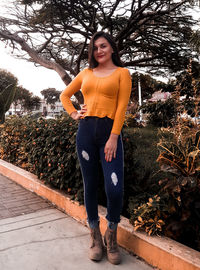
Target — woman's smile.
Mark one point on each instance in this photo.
(99, 56)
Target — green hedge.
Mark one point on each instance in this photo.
(48, 149)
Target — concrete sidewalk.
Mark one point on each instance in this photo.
(36, 236)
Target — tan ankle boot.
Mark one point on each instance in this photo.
(96, 247)
(110, 240)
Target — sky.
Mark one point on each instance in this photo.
(33, 78)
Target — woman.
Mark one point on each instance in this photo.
(106, 88)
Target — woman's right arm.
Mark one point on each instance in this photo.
(70, 90)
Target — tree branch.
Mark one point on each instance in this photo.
(44, 45)
(39, 59)
(114, 8)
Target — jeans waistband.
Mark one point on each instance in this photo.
(91, 117)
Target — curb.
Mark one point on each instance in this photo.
(160, 252)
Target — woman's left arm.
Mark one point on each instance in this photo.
(122, 102)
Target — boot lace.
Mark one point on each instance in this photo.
(112, 242)
(96, 238)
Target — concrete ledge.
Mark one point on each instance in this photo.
(160, 252)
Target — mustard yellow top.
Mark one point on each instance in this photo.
(104, 96)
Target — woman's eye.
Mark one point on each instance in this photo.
(101, 47)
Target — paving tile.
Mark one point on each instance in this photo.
(21, 203)
(5, 213)
(39, 206)
(2, 206)
(16, 200)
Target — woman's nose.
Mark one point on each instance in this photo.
(99, 49)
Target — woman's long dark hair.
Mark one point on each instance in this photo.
(115, 55)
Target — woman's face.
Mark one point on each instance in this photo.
(102, 51)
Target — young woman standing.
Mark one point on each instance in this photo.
(106, 88)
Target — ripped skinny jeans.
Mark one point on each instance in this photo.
(92, 135)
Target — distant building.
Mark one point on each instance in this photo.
(14, 110)
(45, 109)
(51, 109)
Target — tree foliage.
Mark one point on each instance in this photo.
(7, 91)
(148, 85)
(51, 95)
(151, 34)
(26, 99)
(188, 81)
(185, 99)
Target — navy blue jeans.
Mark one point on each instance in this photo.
(92, 135)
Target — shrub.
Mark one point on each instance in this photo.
(161, 113)
(144, 183)
(44, 147)
(14, 135)
(142, 172)
(52, 152)
(48, 149)
(150, 215)
(181, 158)
(173, 207)
(130, 121)
(177, 201)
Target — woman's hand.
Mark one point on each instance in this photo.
(111, 147)
(79, 114)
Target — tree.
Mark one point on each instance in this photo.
(195, 41)
(148, 85)
(188, 87)
(51, 95)
(35, 102)
(161, 113)
(185, 99)
(7, 91)
(26, 100)
(151, 34)
(32, 103)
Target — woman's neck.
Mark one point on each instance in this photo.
(106, 66)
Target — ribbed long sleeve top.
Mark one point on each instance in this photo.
(104, 96)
